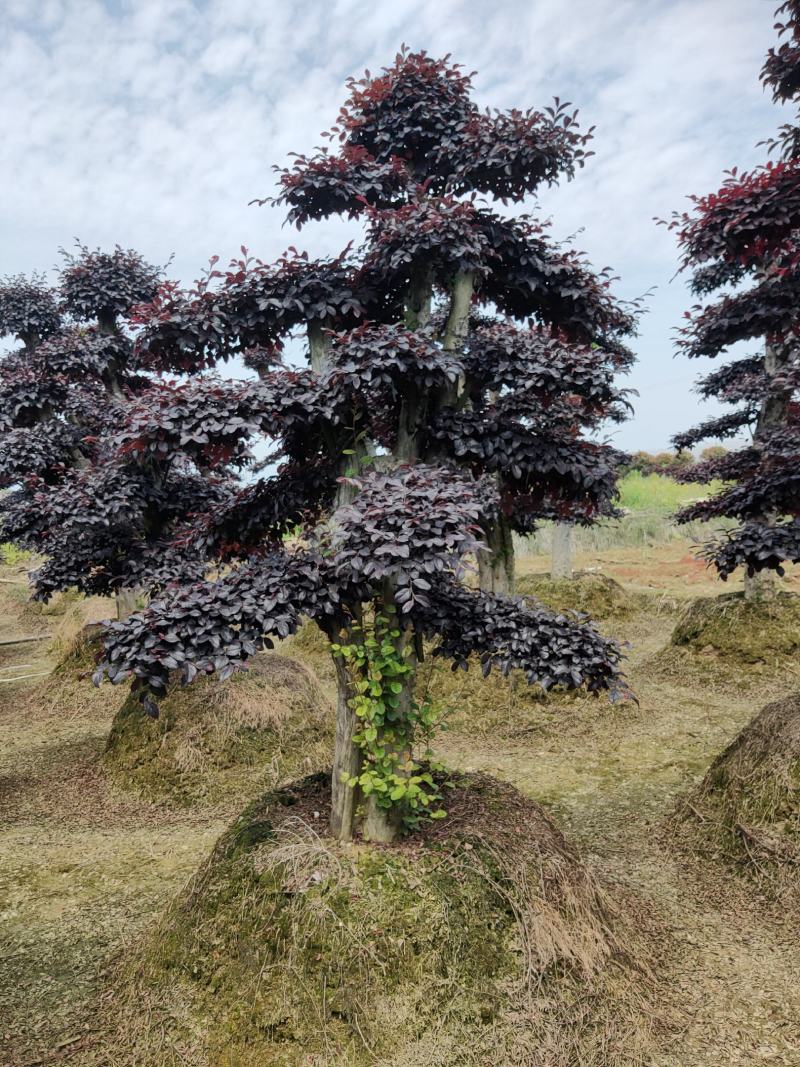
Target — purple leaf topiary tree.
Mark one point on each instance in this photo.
(742, 242)
(419, 424)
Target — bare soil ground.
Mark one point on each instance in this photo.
(83, 869)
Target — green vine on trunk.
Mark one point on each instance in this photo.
(390, 726)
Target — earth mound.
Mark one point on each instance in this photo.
(728, 627)
(747, 808)
(215, 740)
(481, 939)
(498, 708)
(595, 595)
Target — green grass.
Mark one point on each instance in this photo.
(657, 493)
(649, 502)
(12, 556)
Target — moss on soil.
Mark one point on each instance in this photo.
(481, 941)
(747, 808)
(213, 740)
(595, 595)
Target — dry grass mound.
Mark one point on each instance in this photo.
(766, 633)
(213, 740)
(67, 690)
(747, 808)
(497, 709)
(310, 646)
(592, 594)
(77, 652)
(726, 643)
(481, 940)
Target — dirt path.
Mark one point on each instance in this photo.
(736, 984)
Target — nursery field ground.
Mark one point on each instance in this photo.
(83, 869)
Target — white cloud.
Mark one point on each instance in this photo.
(153, 124)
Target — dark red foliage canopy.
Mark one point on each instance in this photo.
(748, 232)
(415, 424)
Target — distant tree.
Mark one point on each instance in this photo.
(712, 452)
(102, 524)
(672, 464)
(666, 463)
(641, 461)
(749, 232)
(383, 478)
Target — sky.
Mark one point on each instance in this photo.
(152, 124)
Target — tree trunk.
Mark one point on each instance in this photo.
(412, 408)
(454, 338)
(418, 304)
(561, 560)
(761, 588)
(318, 345)
(127, 602)
(347, 758)
(456, 330)
(381, 825)
(455, 333)
(496, 567)
(384, 824)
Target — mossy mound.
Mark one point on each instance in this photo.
(595, 595)
(747, 808)
(483, 941)
(215, 740)
(765, 634)
(78, 653)
(502, 708)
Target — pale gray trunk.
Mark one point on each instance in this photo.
(453, 340)
(761, 588)
(418, 305)
(775, 404)
(127, 602)
(496, 567)
(318, 345)
(107, 324)
(346, 758)
(319, 350)
(561, 554)
(413, 405)
(455, 332)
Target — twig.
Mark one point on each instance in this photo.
(785, 855)
(22, 677)
(22, 640)
(59, 1047)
